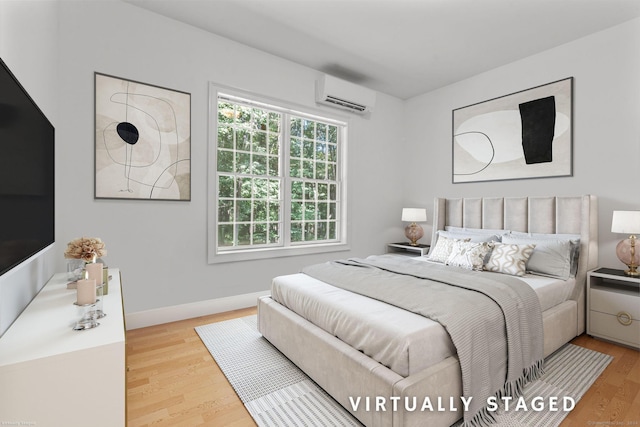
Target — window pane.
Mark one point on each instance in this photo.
(308, 129)
(296, 232)
(309, 211)
(274, 166)
(259, 142)
(244, 188)
(243, 115)
(243, 162)
(332, 231)
(296, 127)
(307, 149)
(259, 165)
(274, 189)
(309, 191)
(294, 169)
(274, 144)
(244, 210)
(332, 152)
(274, 122)
(244, 234)
(274, 211)
(260, 188)
(225, 211)
(225, 186)
(332, 134)
(225, 235)
(323, 190)
(260, 234)
(243, 140)
(296, 147)
(260, 211)
(307, 169)
(322, 230)
(321, 132)
(296, 211)
(226, 112)
(296, 190)
(321, 170)
(310, 231)
(225, 137)
(323, 209)
(274, 233)
(225, 161)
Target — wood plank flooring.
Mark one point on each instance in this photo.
(172, 380)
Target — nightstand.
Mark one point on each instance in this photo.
(407, 249)
(613, 306)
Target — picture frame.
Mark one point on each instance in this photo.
(526, 134)
(142, 140)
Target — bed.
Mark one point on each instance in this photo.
(419, 360)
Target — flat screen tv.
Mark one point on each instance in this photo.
(26, 174)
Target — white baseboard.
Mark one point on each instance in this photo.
(158, 316)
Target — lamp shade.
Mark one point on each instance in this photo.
(627, 222)
(414, 214)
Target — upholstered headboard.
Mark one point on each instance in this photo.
(552, 215)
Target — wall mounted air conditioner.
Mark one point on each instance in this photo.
(344, 95)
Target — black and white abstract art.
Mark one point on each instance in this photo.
(526, 134)
(142, 141)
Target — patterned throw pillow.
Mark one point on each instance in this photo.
(469, 255)
(509, 258)
(441, 251)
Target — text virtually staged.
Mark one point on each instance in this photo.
(441, 404)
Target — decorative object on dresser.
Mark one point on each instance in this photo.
(613, 306)
(627, 222)
(413, 231)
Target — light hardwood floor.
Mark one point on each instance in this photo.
(172, 380)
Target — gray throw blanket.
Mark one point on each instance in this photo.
(478, 310)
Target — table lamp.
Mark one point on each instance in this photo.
(627, 222)
(413, 231)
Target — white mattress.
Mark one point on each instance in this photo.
(405, 342)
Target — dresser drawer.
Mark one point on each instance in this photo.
(613, 303)
(608, 326)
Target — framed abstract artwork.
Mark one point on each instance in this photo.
(142, 141)
(527, 134)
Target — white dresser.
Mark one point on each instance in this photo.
(53, 376)
(613, 302)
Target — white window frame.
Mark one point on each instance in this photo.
(287, 248)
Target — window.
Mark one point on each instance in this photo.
(279, 180)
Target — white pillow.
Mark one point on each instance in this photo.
(469, 255)
(549, 258)
(472, 237)
(442, 249)
(574, 240)
(509, 258)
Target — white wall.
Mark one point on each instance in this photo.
(160, 247)
(29, 45)
(606, 143)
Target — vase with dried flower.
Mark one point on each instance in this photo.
(81, 251)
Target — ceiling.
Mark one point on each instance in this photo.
(400, 47)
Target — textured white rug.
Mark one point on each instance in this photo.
(277, 393)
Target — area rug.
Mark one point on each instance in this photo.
(277, 393)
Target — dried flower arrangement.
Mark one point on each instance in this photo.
(85, 248)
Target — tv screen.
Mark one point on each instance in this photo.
(26, 174)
